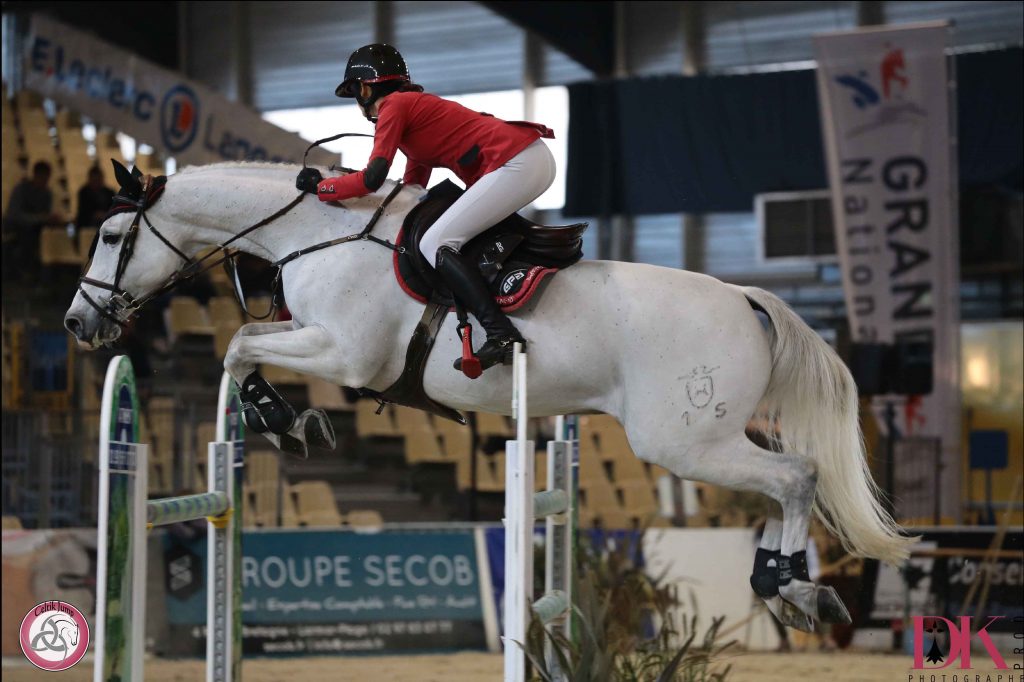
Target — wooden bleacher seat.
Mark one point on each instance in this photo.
(264, 505)
(410, 420)
(488, 424)
(540, 471)
(151, 164)
(612, 441)
(57, 248)
(85, 237)
(423, 445)
(226, 317)
(370, 424)
(224, 310)
(249, 518)
(599, 502)
(491, 473)
(187, 317)
(289, 512)
(591, 470)
(222, 340)
(159, 421)
(627, 467)
(263, 467)
(364, 519)
(638, 499)
(456, 439)
(279, 376)
(315, 504)
(324, 395)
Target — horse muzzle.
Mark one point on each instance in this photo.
(90, 330)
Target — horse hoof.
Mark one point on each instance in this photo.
(795, 618)
(831, 608)
(789, 615)
(317, 429)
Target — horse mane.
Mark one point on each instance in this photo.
(262, 166)
(239, 165)
(373, 198)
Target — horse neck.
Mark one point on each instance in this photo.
(210, 208)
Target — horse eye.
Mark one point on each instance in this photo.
(111, 239)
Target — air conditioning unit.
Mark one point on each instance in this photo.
(795, 227)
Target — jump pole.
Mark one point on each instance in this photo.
(125, 515)
(522, 508)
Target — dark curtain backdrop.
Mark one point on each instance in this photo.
(710, 143)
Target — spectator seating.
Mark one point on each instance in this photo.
(369, 424)
(85, 237)
(186, 317)
(365, 519)
(315, 503)
(324, 395)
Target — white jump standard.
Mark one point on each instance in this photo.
(522, 508)
(125, 515)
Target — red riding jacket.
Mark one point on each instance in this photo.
(433, 133)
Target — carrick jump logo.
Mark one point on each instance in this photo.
(54, 635)
(179, 118)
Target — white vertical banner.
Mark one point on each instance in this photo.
(888, 118)
(157, 106)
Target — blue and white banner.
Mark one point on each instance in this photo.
(156, 106)
(333, 591)
(886, 103)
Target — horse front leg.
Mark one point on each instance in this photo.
(307, 350)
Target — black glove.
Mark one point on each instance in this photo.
(308, 179)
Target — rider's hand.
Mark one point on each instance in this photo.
(308, 179)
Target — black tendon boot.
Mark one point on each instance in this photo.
(468, 286)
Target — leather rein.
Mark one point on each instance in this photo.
(121, 306)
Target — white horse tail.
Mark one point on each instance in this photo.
(811, 400)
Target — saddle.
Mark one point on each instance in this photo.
(514, 256)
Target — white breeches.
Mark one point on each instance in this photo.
(494, 197)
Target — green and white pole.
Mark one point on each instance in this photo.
(125, 515)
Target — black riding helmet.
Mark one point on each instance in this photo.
(370, 64)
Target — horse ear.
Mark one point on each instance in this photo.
(121, 174)
(136, 173)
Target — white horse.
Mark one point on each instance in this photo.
(680, 359)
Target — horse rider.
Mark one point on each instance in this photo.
(504, 165)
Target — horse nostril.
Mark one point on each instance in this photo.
(73, 325)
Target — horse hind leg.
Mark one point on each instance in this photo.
(764, 579)
(735, 462)
(795, 584)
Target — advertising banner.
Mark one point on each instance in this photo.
(335, 591)
(885, 98)
(942, 575)
(156, 106)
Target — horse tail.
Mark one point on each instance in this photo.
(811, 401)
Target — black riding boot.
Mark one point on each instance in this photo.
(469, 287)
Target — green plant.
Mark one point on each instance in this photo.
(615, 604)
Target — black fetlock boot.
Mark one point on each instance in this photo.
(263, 408)
(469, 287)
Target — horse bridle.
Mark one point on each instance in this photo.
(121, 306)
